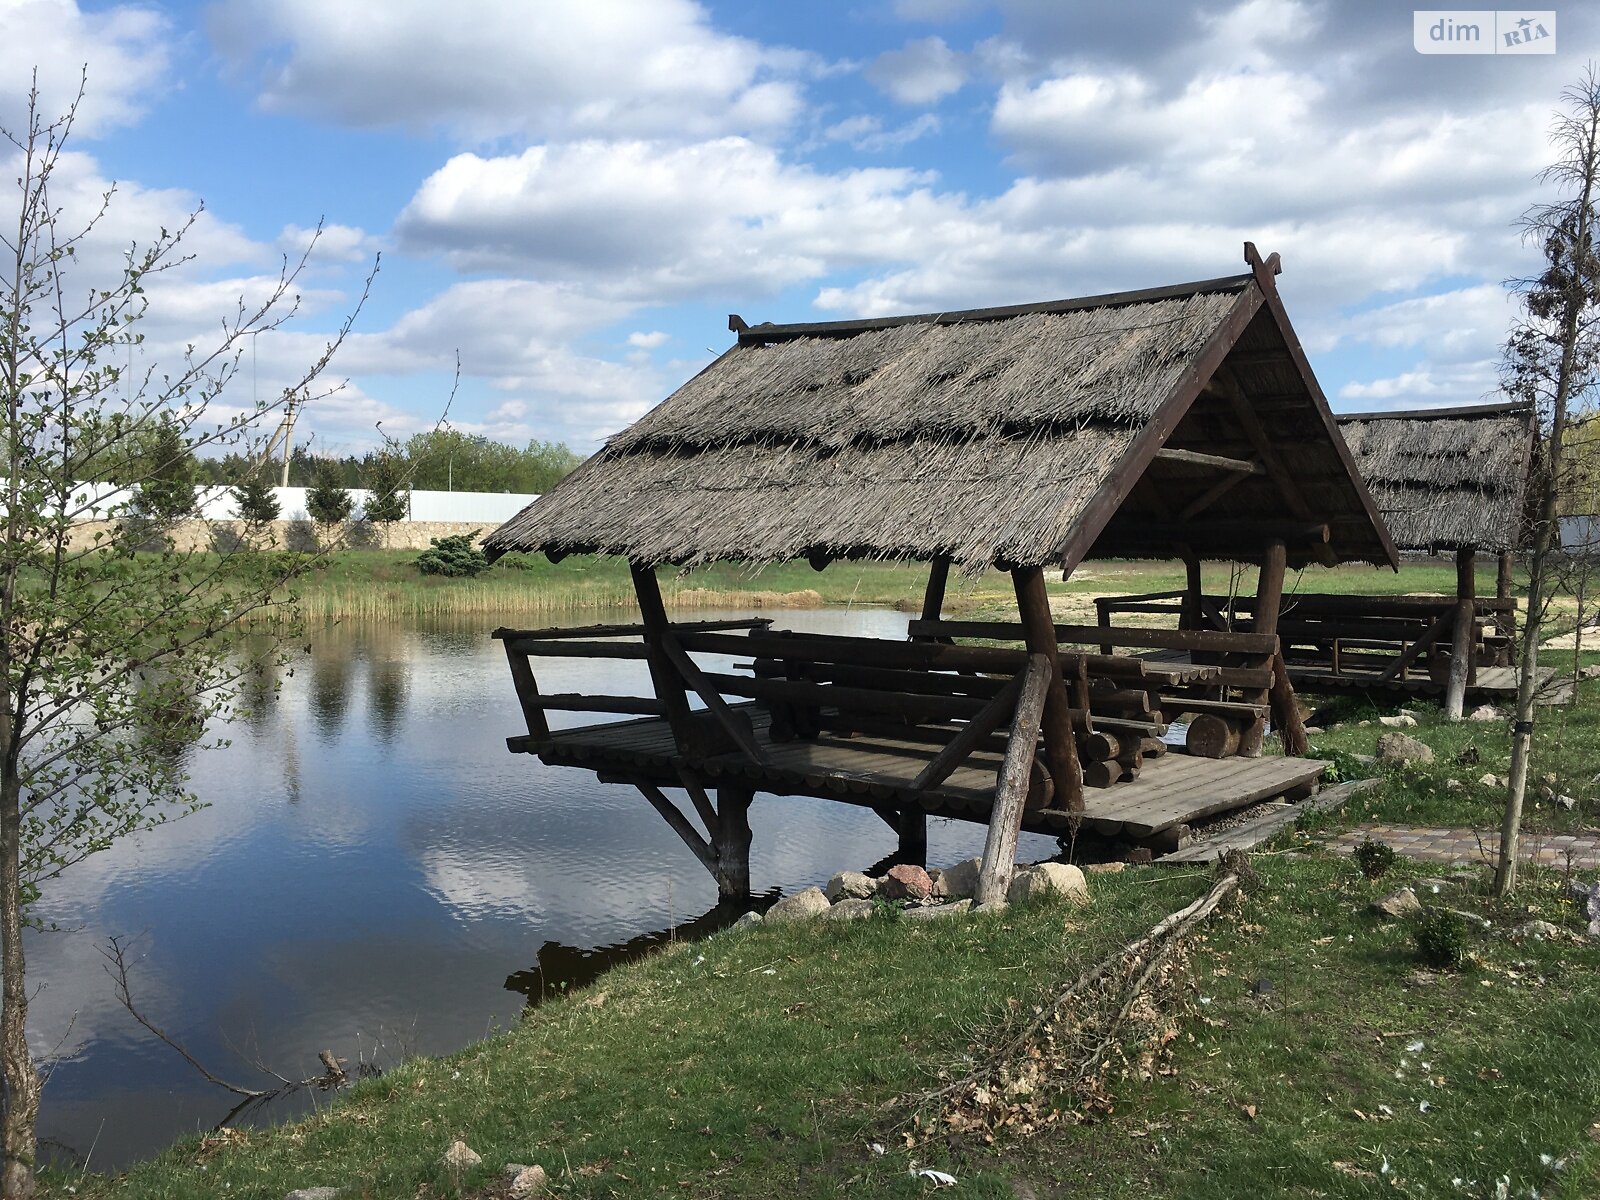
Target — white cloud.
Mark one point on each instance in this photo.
(866, 132)
(920, 72)
(649, 341)
(123, 50)
(492, 69)
(333, 243)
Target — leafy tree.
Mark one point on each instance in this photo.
(1552, 359)
(165, 491)
(110, 660)
(256, 501)
(389, 486)
(455, 557)
(329, 502)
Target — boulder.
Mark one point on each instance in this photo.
(933, 911)
(529, 1182)
(1107, 868)
(1395, 749)
(461, 1157)
(1490, 779)
(1590, 672)
(940, 891)
(1485, 712)
(851, 885)
(1398, 904)
(1399, 721)
(1539, 931)
(906, 882)
(960, 882)
(749, 921)
(850, 910)
(316, 1193)
(802, 906)
(1049, 879)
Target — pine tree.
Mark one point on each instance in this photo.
(389, 487)
(329, 502)
(256, 502)
(166, 489)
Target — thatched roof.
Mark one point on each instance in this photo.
(1446, 479)
(1006, 436)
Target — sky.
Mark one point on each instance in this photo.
(571, 197)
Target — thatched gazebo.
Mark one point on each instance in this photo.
(1180, 419)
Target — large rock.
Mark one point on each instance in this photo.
(1397, 748)
(1539, 931)
(461, 1157)
(1049, 879)
(529, 1182)
(748, 921)
(960, 882)
(1399, 721)
(1485, 712)
(934, 911)
(802, 906)
(1398, 904)
(850, 910)
(851, 885)
(906, 882)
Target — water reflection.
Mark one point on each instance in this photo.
(372, 867)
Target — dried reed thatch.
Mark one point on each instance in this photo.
(984, 436)
(1448, 479)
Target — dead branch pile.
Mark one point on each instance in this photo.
(1115, 1019)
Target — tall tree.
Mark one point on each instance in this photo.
(166, 488)
(1551, 359)
(108, 657)
(329, 502)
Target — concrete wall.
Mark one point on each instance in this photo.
(301, 535)
(488, 509)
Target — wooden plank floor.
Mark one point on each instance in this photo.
(1171, 790)
(1494, 684)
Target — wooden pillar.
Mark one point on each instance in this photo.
(911, 827)
(731, 841)
(1193, 614)
(1269, 599)
(668, 683)
(1011, 786)
(1039, 632)
(1505, 623)
(1461, 646)
(933, 598)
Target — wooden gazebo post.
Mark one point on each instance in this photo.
(1039, 632)
(1461, 646)
(1269, 599)
(1505, 623)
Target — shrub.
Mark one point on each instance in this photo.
(455, 557)
(1375, 858)
(1441, 939)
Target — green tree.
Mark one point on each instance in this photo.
(388, 486)
(165, 491)
(256, 501)
(1552, 359)
(329, 502)
(109, 659)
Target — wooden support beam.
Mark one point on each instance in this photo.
(1269, 601)
(1039, 634)
(1462, 646)
(1505, 623)
(643, 706)
(1193, 590)
(1210, 496)
(1134, 636)
(704, 851)
(1011, 790)
(1256, 433)
(527, 693)
(975, 734)
(565, 632)
(1219, 462)
(1285, 711)
(933, 597)
(1422, 645)
(735, 725)
(669, 687)
(732, 841)
(911, 835)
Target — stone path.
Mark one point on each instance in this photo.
(1582, 850)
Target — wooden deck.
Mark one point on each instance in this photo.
(1493, 684)
(878, 771)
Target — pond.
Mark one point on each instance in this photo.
(376, 875)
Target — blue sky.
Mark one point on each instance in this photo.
(573, 196)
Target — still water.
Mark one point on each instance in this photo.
(376, 875)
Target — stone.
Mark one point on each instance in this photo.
(1398, 904)
(749, 921)
(1110, 868)
(461, 1157)
(1539, 931)
(1590, 672)
(1453, 785)
(1366, 760)
(1565, 802)
(1485, 712)
(851, 885)
(1049, 879)
(1490, 779)
(1434, 887)
(906, 882)
(1399, 721)
(529, 1182)
(1396, 749)
(960, 882)
(316, 1193)
(802, 906)
(933, 911)
(940, 891)
(850, 910)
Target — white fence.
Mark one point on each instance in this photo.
(216, 504)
